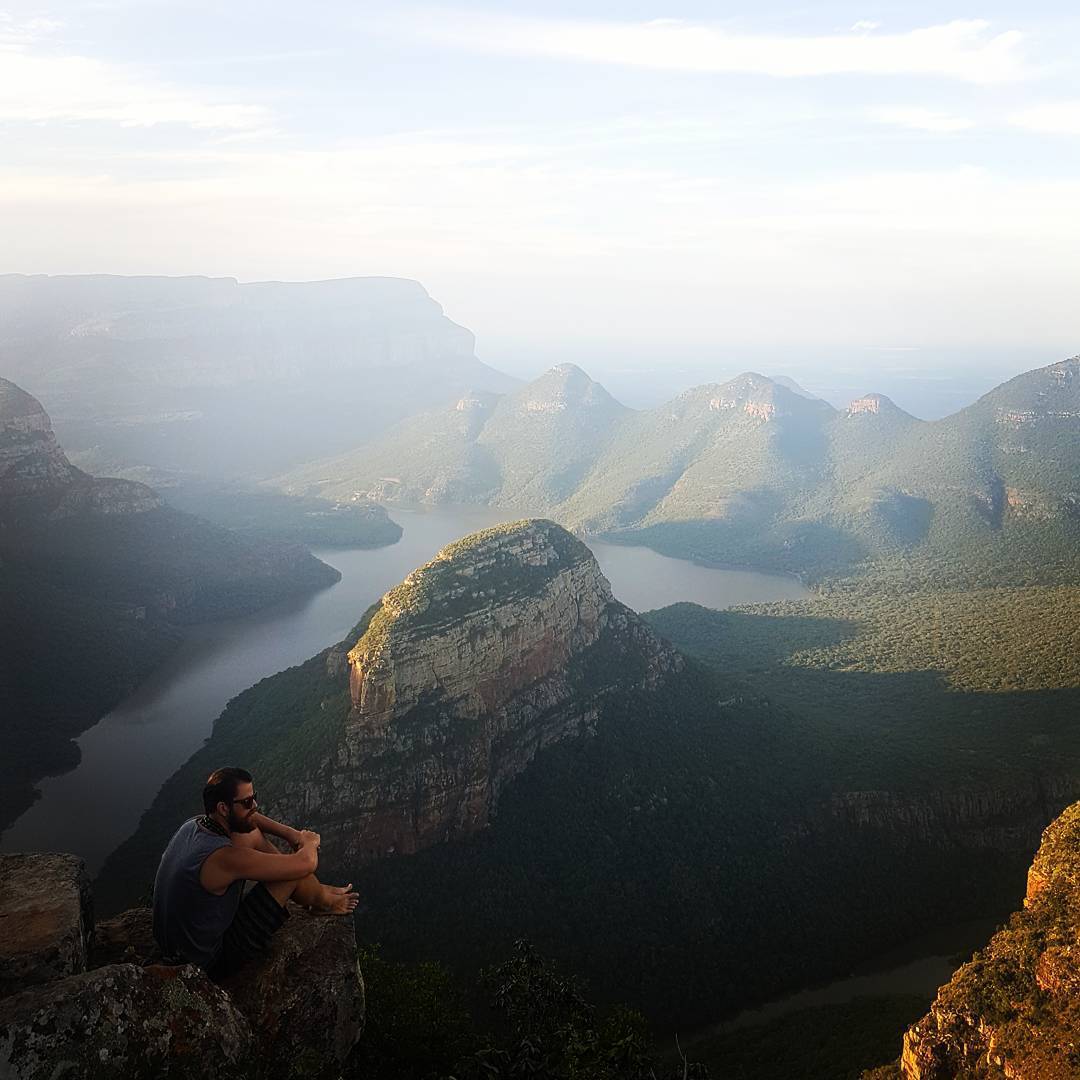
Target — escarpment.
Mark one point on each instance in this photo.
(1012, 1010)
(505, 643)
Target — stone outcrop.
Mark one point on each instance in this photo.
(1013, 1011)
(30, 456)
(35, 470)
(751, 394)
(508, 641)
(46, 918)
(113, 1011)
(870, 405)
(305, 1003)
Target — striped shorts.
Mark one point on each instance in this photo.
(248, 937)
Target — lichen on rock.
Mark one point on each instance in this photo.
(297, 1013)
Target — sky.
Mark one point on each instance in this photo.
(639, 183)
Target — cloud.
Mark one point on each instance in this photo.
(40, 84)
(963, 49)
(919, 119)
(865, 25)
(1055, 118)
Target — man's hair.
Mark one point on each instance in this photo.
(221, 786)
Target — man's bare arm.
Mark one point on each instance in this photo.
(228, 864)
(269, 827)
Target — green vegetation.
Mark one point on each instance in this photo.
(262, 514)
(452, 584)
(530, 449)
(702, 852)
(678, 860)
(829, 1042)
(538, 1023)
(749, 473)
(918, 690)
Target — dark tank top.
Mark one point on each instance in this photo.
(189, 922)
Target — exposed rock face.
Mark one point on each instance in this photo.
(990, 818)
(751, 394)
(34, 467)
(125, 938)
(305, 1002)
(299, 1012)
(46, 918)
(465, 671)
(30, 457)
(1011, 1012)
(870, 405)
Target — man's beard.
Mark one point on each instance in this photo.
(240, 824)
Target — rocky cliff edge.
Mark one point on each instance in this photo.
(88, 1002)
(1013, 1011)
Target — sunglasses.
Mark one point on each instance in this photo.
(247, 803)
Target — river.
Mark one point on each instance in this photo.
(132, 750)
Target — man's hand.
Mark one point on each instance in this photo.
(307, 837)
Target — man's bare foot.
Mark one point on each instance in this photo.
(337, 900)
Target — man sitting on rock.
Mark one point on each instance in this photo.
(201, 913)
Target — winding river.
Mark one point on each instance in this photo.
(131, 751)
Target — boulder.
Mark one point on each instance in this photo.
(124, 1021)
(305, 1001)
(125, 938)
(46, 917)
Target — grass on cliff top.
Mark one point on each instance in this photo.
(441, 590)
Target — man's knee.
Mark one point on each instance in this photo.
(282, 891)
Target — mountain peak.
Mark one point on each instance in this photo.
(757, 396)
(568, 371)
(16, 404)
(1047, 394)
(790, 384)
(563, 386)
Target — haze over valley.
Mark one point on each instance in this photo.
(917, 701)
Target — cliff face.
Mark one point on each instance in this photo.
(992, 818)
(505, 643)
(1014, 1010)
(35, 473)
